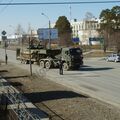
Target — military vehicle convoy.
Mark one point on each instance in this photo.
(71, 57)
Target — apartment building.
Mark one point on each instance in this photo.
(85, 29)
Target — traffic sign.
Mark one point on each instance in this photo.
(4, 32)
(4, 38)
(76, 40)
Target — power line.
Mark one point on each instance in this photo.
(1, 1)
(54, 3)
(5, 7)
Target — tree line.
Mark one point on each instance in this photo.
(110, 28)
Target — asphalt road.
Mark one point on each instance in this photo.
(97, 78)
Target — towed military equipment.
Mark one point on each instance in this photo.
(71, 57)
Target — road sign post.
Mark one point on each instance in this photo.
(4, 38)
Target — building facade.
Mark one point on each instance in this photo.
(85, 30)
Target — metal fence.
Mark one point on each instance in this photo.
(16, 103)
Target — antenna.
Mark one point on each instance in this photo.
(70, 13)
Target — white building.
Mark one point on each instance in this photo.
(85, 29)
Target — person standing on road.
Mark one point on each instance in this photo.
(6, 58)
(61, 67)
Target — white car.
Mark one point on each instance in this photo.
(113, 57)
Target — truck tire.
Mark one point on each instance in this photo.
(65, 66)
(115, 60)
(107, 60)
(47, 65)
(26, 62)
(21, 61)
(42, 64)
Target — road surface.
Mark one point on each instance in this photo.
(97, 78)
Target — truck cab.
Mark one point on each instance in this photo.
(72, 58)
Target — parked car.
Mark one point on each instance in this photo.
(114, 57)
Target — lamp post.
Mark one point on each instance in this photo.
(49, 44)
(30, 39)
(4, 37)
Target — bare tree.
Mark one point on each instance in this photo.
(29, 29)
(19, 32)
(89, 16)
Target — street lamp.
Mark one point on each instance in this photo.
(4, 37)
(49, 29)
(30, 39)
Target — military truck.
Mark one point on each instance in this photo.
(49, 58)
(71, 57)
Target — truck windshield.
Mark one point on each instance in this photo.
(75, 51)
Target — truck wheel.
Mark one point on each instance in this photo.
(23, 61)
(47, 65)
(107, 60)
(42, 64)
(26, 62)
(65, 66)
(115, 60)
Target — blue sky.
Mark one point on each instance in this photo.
(25, 15)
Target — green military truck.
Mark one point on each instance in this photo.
(71, 57)
(49, 58)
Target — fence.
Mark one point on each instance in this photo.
(15, 103)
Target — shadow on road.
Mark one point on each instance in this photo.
(11, 77)
(3, 71)
(15, 84)
(88, 68)
(51, 95)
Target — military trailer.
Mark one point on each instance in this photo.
(26, 56)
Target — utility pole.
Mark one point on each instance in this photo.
(49, 44)
(71, 22)
(30, 38)
(6, 57)
(49, 35)
(70, 14)
(4, 38)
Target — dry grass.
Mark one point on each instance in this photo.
(97, 54)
